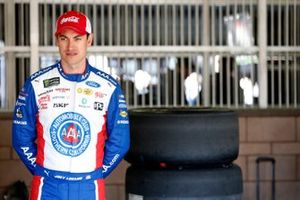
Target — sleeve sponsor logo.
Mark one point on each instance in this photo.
(19, 113)
(123, 114)
(23, 123)
(122, 105)
(18, 103)
(23, 93)
(112, 162)
(29, 155)
(122, 98)
(122, 122)
(20, 97)
(51, 82)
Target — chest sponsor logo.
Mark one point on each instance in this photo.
(63, 90)
(100, 95)
(45, 92)
(93, 84)
(84, 103)
(85, 91)
(51, 82)
(44, 99)
(60, 105)
(70, 134)
(98, 106)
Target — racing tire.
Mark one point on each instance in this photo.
(183, 136)
(223, 183)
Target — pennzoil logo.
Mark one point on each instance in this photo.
(123, 114)
(70, 134)
(85, 91)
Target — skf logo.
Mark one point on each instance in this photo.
(60, 105)
(98, 106)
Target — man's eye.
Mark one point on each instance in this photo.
(77, 39)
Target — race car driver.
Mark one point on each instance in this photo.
(70, 125)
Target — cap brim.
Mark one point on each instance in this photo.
(80, 32)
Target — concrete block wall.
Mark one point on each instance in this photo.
(273, 134)
(262, 133)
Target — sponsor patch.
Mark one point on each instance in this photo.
(85, 91)
(44, 99)
(63, 90)
(98, 106)
(93, 84)
(100, 95)
(51, 82)
(123, 114)
(24, 123)
(19, 113)
(60, 105)
(70, 134)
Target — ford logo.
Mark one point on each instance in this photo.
(93, 84)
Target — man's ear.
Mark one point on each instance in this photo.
(90, 39)
(55, 38)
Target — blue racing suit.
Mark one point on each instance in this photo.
(71, 131)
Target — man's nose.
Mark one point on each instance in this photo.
(70, 44)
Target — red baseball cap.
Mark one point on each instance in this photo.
(75, 21)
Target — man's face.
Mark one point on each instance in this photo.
(73, 48)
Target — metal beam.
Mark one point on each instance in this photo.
(34, 36)
(262, 42)
(10, 70)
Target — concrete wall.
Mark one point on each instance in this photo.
(272, 133)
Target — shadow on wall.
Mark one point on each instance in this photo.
(15, 191)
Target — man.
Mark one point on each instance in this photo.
(70, 124)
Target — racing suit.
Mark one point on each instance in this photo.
(71, 131)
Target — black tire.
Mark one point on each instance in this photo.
(183, 136)
(186, 184)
